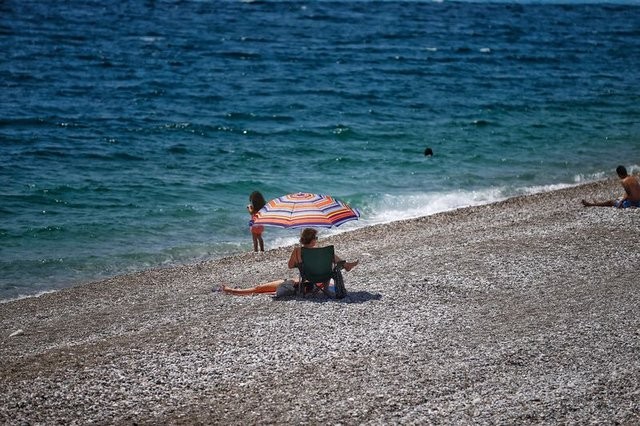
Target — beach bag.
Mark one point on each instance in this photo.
(338, 283)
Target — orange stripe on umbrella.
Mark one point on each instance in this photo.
(303, 209)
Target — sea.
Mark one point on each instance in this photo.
(133, 132)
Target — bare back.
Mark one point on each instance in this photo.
(631, 186)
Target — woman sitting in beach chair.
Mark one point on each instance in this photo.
(317, 267)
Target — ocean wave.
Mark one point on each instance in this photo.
(48, 153)
(27, 121)
(241, 55)
(391, 208)
(178, 149)
(244, 116)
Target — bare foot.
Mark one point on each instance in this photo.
(350, 265)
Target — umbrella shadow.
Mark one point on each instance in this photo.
(351, 297)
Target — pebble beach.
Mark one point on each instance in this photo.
(524, 311)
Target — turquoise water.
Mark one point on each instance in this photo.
(132, 134)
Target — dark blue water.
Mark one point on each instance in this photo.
(131, 133)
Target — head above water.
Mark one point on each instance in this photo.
(622, 172)
(308, 235)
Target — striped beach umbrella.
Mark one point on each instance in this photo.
(305, 210)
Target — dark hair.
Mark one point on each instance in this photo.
(257, 201)
(622, 172)
(307, 235)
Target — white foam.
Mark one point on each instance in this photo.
(391, 207)
(151, 39)
(545, 188)
(633, 169)
(581, 178)
(28, 296)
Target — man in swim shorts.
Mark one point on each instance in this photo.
(631, 197)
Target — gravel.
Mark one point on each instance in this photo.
(519, 312)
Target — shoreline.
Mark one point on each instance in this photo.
(338, 231)
(519, 311)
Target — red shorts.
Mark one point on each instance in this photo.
(257, 229)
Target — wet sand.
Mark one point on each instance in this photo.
(519, 312)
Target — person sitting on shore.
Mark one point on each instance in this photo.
(631, 198)
(287, 287)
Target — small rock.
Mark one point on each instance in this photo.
(17, 333)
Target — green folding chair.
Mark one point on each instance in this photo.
(317, 269)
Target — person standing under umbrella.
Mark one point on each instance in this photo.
(256, 202)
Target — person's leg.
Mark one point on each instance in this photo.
(269, 287)
(255, 242)
(347, 265)
(350, 265)
(261, 242)
(608, 203)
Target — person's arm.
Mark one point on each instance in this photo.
(293, 259)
